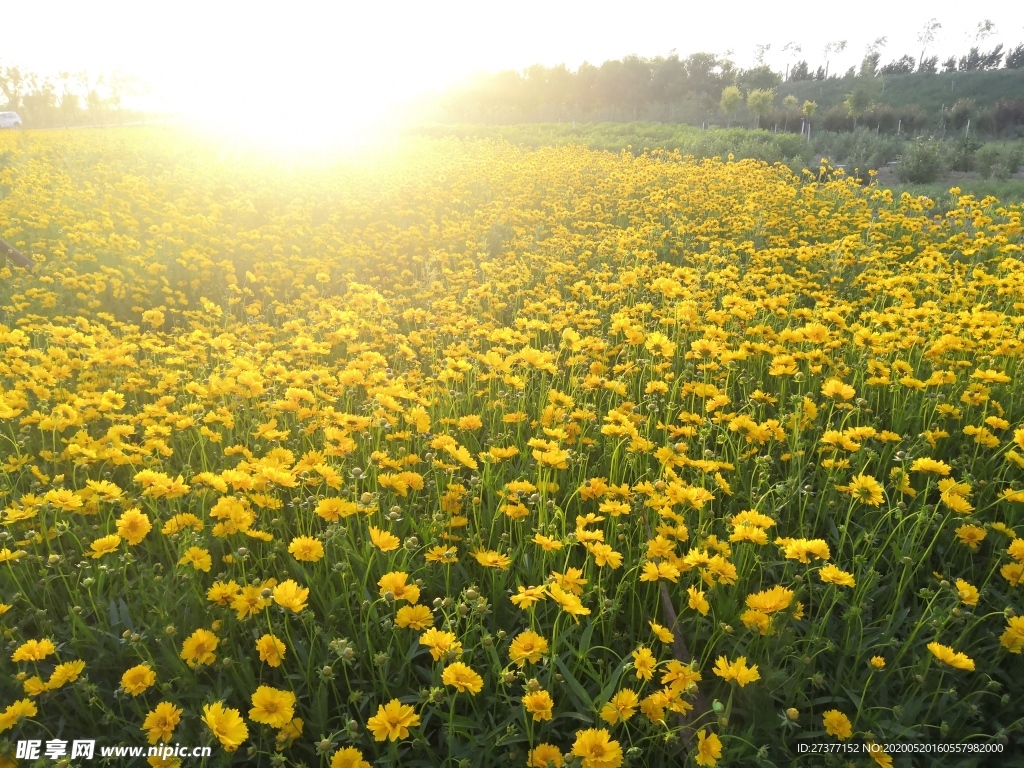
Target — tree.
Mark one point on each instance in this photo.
(869, 64)
(872, 55)
(902, 66)
(668, 81)
(808, 109)
(928, 66)
(794, 50)
(976, 60)
(1015, 58)
(800, 71)
(759, 102)
(706, 75)
(12, 85)
(857, 103)
(949, 65)
(984, 30)
(584, 88)
(837, 46)
(760, 78)
(730, 102)
(789, 107)
(926, 37)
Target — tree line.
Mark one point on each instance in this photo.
(703, 87)
(67, 99)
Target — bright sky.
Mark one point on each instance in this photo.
(347, 63)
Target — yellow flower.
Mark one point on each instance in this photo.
(736, 670)
(288, 734)
(198, 649)
(161, 721)
(104, 546)
(63, 499)
(967, 591)
(709, 748)
(133, 526)
(414, 617)
(395, 584)
(527, 646)
(33, 650)
(866, 490)
(16, 712)
(198, 558)
(877, 662)
(491, 559)
(662, 633)
(837, 724)
(462, 678)
(878, 754)
(596, 749)
(393, 721)
(830, 574)
(770, 600)
(643, 663)
(65, 673)
(226, 724)
(288, 594)
(545, 755)
(272, 706)
(444, 555)
(384, 541)
(306, 549)
(698, 601)
(271, 650)
(837, 389)
(970, 535)
(348, 757)
(568, 602)
(1012, 638)
(621, 706)
(538, 704)
(528, 596)
(440, 643)
(947, 655)
(803, 549)
(333, 508)
(137, 679)
(930, 466)
(547, 544)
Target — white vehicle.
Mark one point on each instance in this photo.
(10, 120)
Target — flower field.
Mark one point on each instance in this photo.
(474, 455)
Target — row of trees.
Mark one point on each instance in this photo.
(70, 98)
(690, 89)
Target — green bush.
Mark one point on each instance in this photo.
(921, 163)
(998, 161)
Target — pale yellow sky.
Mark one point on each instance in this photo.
(232, 60)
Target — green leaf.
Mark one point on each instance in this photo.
(579, 693)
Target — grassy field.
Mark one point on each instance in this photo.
(860, 152)
(469, 454)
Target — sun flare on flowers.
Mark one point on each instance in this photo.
(422, 428)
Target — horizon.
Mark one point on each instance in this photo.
(221, 64)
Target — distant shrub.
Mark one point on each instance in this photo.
(921, 163)
(961, 154)
(836, 119)
(1007, 114)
